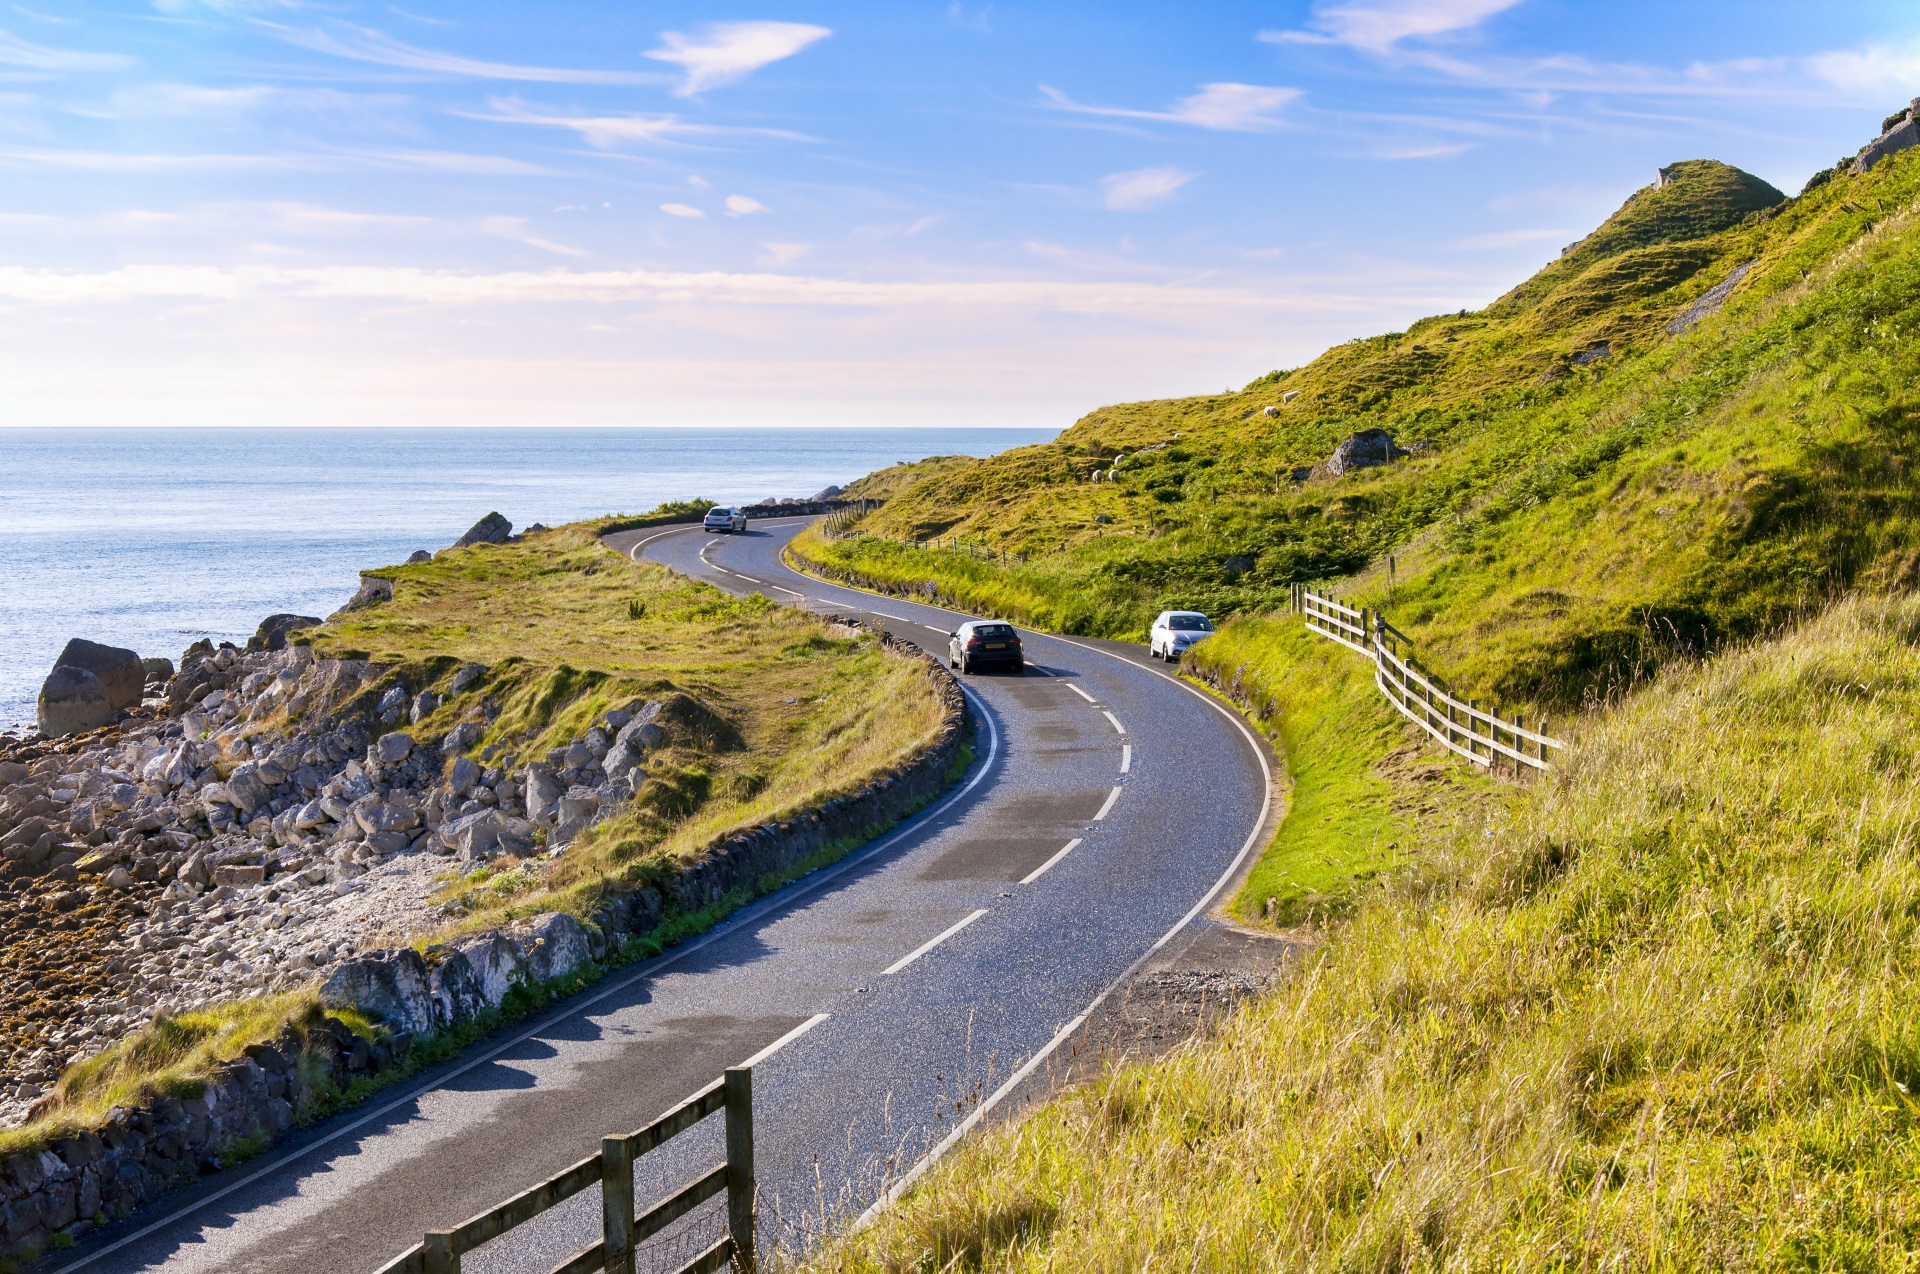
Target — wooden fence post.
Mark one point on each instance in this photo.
(439, 1253)
(616, 1203)
(740, 1187)
(1540, 728)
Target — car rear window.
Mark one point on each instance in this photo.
(995, 632)
(1189, 624)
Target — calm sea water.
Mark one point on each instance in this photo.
(154, 538)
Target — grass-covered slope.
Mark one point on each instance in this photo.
(1657, 1014)
(1565, 519)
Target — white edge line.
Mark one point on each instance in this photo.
(1126, 757)
(1077, 690)
(785, 1040)
(1041, 870)
(930, 944)
(1116, 721)
(1107, 809)
(1065, 1033)
(649, 968)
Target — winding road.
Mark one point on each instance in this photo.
(889, 1002)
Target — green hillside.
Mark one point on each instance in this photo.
(1654, 1011)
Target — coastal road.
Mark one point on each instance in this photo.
(890, 1001)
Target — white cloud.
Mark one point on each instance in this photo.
(1143, 188)
(726, 52)
(698, 182)
(681, 210)
(1876, 68)
(362, 44)
(1226, 107)
(778, 255)
(608, 131)
(36, 57)
(744, 206)
(327, 161)
(515, 228)
(1378, 25)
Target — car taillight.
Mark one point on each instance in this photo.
(973, 643)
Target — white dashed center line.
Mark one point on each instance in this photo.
(1077, 690)
(1041, 870)
(1106, 809)
(1116, 721)
(931, 943)
(750, 579)
(1126, 757)
(789, 592)
(785, 1040)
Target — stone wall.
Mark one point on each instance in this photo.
(84, 1178)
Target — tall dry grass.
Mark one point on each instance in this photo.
(1662, 1013)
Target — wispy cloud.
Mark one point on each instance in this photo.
(726, 52)
(682, 210)
(515, 228)
(363, 44)
(38, 57)
(777, 256)
(1226, 107)
(744, 206)
(326, 161)
(1378, 26)
(1142, 188)
(608, 131)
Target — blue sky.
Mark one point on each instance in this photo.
(336, 212)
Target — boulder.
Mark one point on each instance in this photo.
(492, 529)
(496, 964)
(462, 776)
(117, 668)
(425, 704)
(394, 746)
(246, 790)
(158, 671)
(418, 556)
(462, 737)
(579, 804)
(543, 792)
(73, 701)
(1367, 449)
(485, 833)
(458, 995)
(465, 676)
(827, 492)
(275, 629)
(393, 986)
(1903, 134)
(552, 945)
(374, 589)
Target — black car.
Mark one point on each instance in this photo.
(984, 643)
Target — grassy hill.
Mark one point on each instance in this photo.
(1654, 1011)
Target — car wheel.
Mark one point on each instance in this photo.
(966, 667)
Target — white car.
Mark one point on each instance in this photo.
(719, 519)
(1175, 632)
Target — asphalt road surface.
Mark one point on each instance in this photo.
(892, 1001)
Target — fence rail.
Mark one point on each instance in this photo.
(1462, 726)
(622, 1231)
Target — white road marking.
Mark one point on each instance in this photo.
(929, 945)
(1077, 690)
(1107, 809)
(750, 579)
(1041, 870)
(785, 1040)
(1037, 668)
(1126, 757)
(898, 619)
(1116, 721)
(789, 592)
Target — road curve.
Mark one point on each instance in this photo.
(892, 1000)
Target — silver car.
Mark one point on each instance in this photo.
(719, 519)
(1175, 632)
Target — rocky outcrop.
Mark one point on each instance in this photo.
(1708, 302)
(275, 629)
(492, 529)
(1367, 449)
(374, 589)
(73, 701)
(829, 492)
(117, 668)
(1899, 133)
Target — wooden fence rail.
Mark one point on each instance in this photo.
(612, 1170)
(1460, 725)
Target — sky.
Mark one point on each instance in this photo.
(583, 212)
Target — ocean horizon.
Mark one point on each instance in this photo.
(156, 538)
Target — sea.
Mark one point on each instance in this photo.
(155, 538)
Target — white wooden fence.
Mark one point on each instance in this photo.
(1460, 725)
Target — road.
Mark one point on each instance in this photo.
(904, 993)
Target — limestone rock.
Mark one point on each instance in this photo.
(484, 834)
(462, 777)
(827, 492)
(543, 793)
(392, 986)
(73, 701)
(275, 629)
(553, 946)
(1367, 449)
(117, 668)
(465, 676)
(418, 556)
(492, 529)
(394, 746)
(374, 589)
(1903, 134)
(158, 671)
(496, 963)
